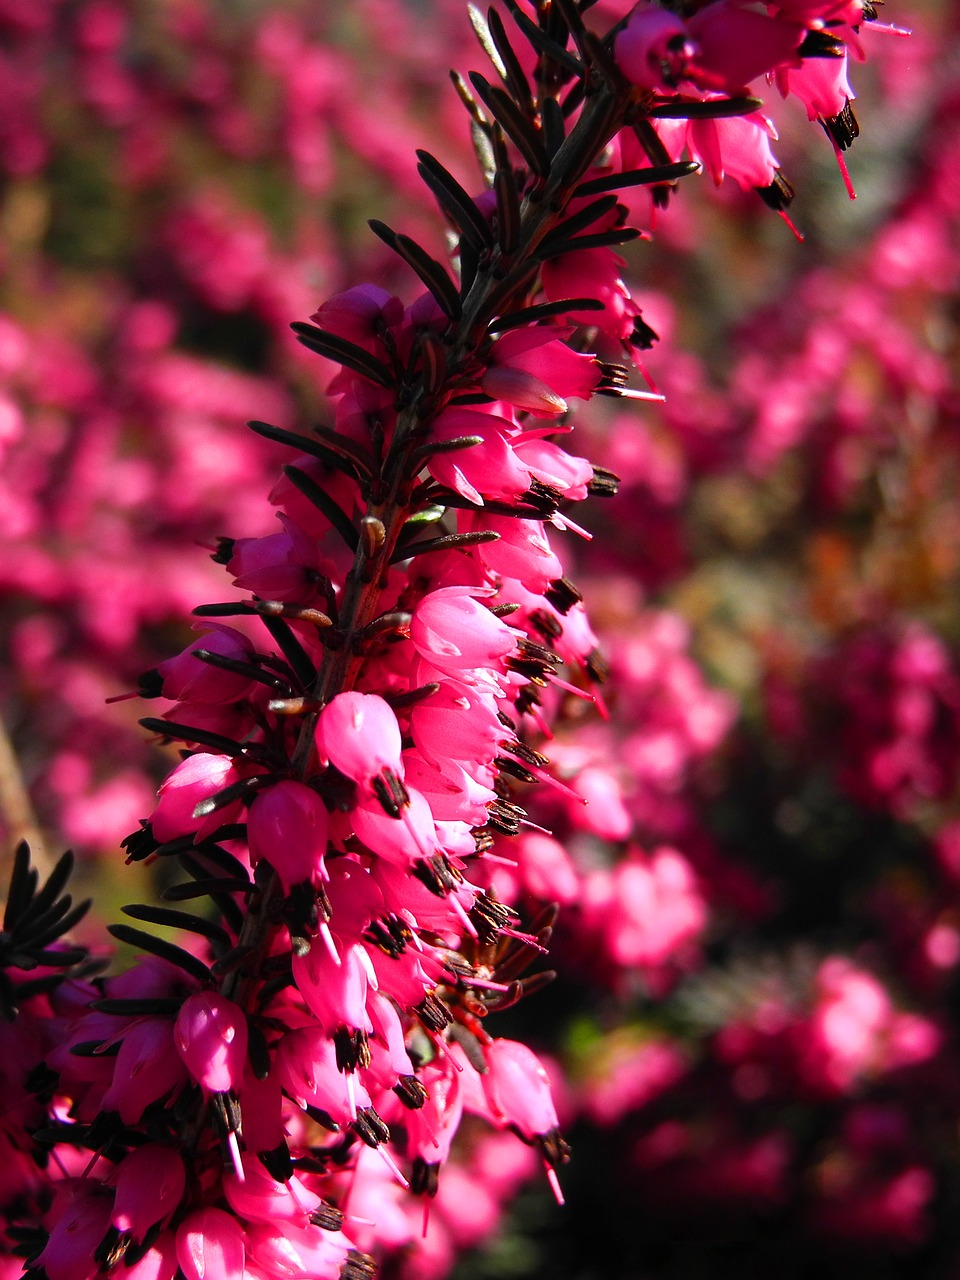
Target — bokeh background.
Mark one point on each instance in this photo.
(754, 1032)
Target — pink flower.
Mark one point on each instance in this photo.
(211, 1038)
(210, 1246)
(194, 780)
(150, 1184)
(359, 734)
(288, 825)
(189, 679)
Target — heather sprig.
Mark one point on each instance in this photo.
(348, 767)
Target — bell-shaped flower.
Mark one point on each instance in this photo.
(489, 469)
(458, 634)
(454, 794)
(535, 370)
(736, 43)
(517, 1089)
(554, 466)
(737, 147)
(432, 1128)
(653, 49)
(306, 1066)
(187, 678)
(280, 566)
(261, 1105)
(821, 84)
(194, 780)
(389, 1059)
(210, 1246)
(522, 550)
(146, 1068)
(211, 1038)
(335, 993)
(69, 1253)
(158, 1263)
(150, 1184)
(360, 314)
(289, 1251)
(459, 723)
(359, 734)
(259, 1197)
(400, 839)
(289, 826)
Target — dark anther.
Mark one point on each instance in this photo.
(604, 483)
(328, 1217)
(109, 1252)
(563, 595)
(598, 669)
(843, 128)
(225, 1113)
(391, 793)
(150, 684)
(553, 1148)
(489, 916)
(821, 44)
(779, 193)
(390, 934)
(642, 335)
(433, 1013)
(358, 1266)
(424, 1178)
(505, 817)
(523, 752)
(277, 1162)
(140, 844)
(224, 551)
(352, 1049)
(410, 1092)
(438, 874)
(483, 839)
(549, 627)
(369, 1128)
(514, 769)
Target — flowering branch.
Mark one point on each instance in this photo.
(344, 787)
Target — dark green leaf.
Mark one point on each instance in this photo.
(514, 123)
(696, 109)
(343, 352)
(172, 919)
(601, 240)
(580, 220)
(456, 201)
(543, 311)
(542, 42)
(187, 733)
(433, 274)
(512, 73)
(337, 454)
(638, 177)
(202, 888)
(448, 542)
(143, 1007)
(324, 504)
(292, 650)
(160, 947)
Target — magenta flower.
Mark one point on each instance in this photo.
(288, 825)
(150, 1183)
(211, 1038)
(210, 1246)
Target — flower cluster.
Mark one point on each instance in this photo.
(270, 1094)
